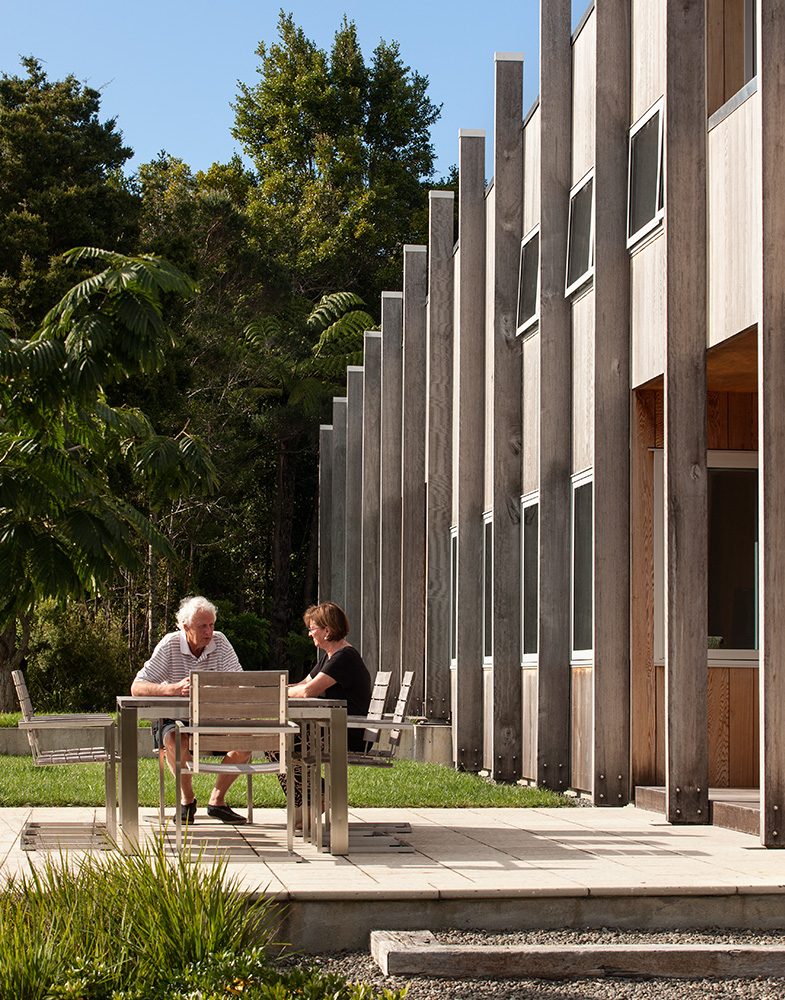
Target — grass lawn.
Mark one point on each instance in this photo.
(404, 785)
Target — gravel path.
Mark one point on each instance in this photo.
(360, 967)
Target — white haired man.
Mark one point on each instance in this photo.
(194, 646)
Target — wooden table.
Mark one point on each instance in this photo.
(329, 713)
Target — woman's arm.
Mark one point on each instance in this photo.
(311, 687)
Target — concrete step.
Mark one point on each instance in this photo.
(730, 808)
(418, 953)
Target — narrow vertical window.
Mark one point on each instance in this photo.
(580, 241)
(529, 283)
(530, 541)
(487, 588)
(582, 568)
(645, 196)
(453, 594)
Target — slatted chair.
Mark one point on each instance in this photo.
(105, 754)
(246, 711)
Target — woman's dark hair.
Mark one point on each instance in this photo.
(328, 615)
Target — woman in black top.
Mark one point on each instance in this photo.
(339, 672)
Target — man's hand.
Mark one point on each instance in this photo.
(182, 687)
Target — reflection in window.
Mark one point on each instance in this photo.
(580, 248)
(453, 595)
(528, 283)
(646, 189)
(530, 576)
(733, 558)
(487, 589)
(582, 575)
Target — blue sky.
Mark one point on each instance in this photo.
(168, 70)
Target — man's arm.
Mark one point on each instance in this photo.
(311, 687)
(157, 690)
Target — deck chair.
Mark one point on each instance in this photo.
(105, 754)
(244, 710)
(374, 754)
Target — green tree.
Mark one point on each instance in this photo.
(68, 459)
(60, 186)
(342, 154)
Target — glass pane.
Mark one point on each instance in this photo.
(453, 596)
(528, 280)
(531, 538)
(487, 585)
(733, 558)
(582, 568)
(579, 259)
(644, 160)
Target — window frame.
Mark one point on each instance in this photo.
(487, 589)
(580, 655)
(588, 275)
(530, 658)
(715, 459)
(453, 637)
(529, 324)
(633, 239)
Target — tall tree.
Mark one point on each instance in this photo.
(66, 529)
(60, 186)
(342, 153)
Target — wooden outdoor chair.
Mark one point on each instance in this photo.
(105, 754)
(375, 754)
(244, 710)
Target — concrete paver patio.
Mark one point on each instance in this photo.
(487, 868)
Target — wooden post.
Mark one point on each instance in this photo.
(439, 454)
(686, 658)
(372, 438)
(771, 380)
(553, 672)
(413, 471)
(325, 511)
(390, 527)
(469, 407)
(507, 427)
(338, 589)
(354, 506)
(611, 506)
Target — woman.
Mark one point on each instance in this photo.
(339, 672)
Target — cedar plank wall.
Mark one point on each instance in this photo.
(733, 692)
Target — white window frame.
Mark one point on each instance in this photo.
(719, 459)
(634, 238)
(530, 324)
(580, 656)
(487, 522)
(453, 637)
(588, 275)
(528, 500)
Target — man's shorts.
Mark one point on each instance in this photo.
(167, 725)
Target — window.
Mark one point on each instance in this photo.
(732, 538)
(529, 282)
(582, 568)
(580, 239)
(487, 589)
(530, 560)
(731, 49)
(646, 189)
(453, 594)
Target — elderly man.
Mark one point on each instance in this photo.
(195, 646)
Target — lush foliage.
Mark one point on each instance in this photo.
(341, 150)
(60, 186)
(65, 528)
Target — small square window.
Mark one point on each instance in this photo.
(645, 195)
(580, 240)
(529, 283)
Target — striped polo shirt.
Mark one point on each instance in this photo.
(172, 659)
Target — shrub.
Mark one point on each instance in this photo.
(78, 659)
(248, 634)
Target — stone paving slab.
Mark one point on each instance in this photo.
(478, 867)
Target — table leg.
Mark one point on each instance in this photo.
(129, 779)
(339, 791)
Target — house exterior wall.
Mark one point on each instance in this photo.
(667, 350)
